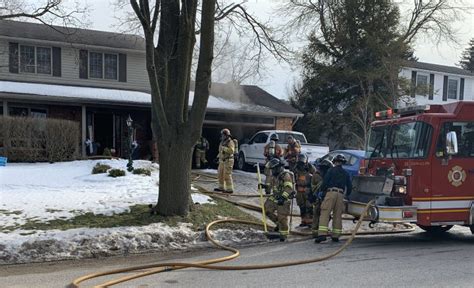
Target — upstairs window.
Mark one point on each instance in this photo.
(35, 59)
(452, 89)
(27, 59)
(421, 80)
(103, 65)
(96, 65)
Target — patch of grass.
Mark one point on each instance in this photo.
(8, 212)
(139, 215)
(53, 210)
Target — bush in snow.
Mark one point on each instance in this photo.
(39, 139)
(107, 152)
(100, 168)
(142, 171)
(116, 173)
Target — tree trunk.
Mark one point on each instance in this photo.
(175, 180)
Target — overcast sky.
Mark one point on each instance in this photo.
(281, 77)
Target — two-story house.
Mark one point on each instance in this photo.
(444, 83)
(98, 79)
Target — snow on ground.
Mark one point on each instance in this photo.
(43, 191)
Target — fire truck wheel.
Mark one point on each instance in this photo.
(436, 229)
(472, 229)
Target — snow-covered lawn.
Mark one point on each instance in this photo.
(43, 191)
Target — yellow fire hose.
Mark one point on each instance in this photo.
(169, 266)
(207, 264)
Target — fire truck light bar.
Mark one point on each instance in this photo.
(384, 114)
(412, 110)
(401, 111)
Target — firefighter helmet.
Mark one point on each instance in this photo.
(325, 163)
(339, 158)
(225, 132)
(274, 137)
(274, 163)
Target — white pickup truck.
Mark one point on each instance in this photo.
(251, 152)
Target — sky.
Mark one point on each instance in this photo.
(282, 76)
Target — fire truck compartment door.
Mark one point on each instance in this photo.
(366, 188)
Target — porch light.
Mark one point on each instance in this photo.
(129, 121)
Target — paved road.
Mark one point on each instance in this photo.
(409, 260)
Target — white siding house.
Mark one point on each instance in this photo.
(445, 83)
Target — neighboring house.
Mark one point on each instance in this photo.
(98, 79)
(444, 83)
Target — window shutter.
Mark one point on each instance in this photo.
(13, 63)
(413, 83)
(57, 61)
(445, 88)
(122, 67)
(461, 90)
(83, 64)
(431, 88)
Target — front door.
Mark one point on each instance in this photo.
(453, 177)
(103, 131)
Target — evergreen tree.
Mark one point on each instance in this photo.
(467, 59)
(350, 70)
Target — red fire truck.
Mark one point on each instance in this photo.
(420, 167)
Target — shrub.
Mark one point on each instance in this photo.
(107, 152)
(116, 173)
(100, 168)
(26, 139)
(142, 171)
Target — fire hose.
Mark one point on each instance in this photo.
(208, 264)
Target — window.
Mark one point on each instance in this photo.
(43, 60)
(38, 113)
(95, 64)
(110, 66)
(18, 111)
(405, 140)
(103, 65)
(452, 89)
(260, 138)
(421, 80)
(465, 135)
(27, 59)
(35, 59)
(26, 111)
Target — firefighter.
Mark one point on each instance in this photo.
(292, 151)
(226, 162)
(282, 193)
(304, 172)
(270, 151)
(316, 182)
(200, 150)
(332, 189)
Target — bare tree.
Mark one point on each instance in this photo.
(45, 11)
(176, 126)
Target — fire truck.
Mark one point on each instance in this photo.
(419, 168)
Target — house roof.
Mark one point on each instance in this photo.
(90, 95)
(43, 32)
(438, 68)
(252, 95)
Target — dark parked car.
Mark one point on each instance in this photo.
(355, 160)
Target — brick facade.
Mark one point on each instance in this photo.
(284, 123)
